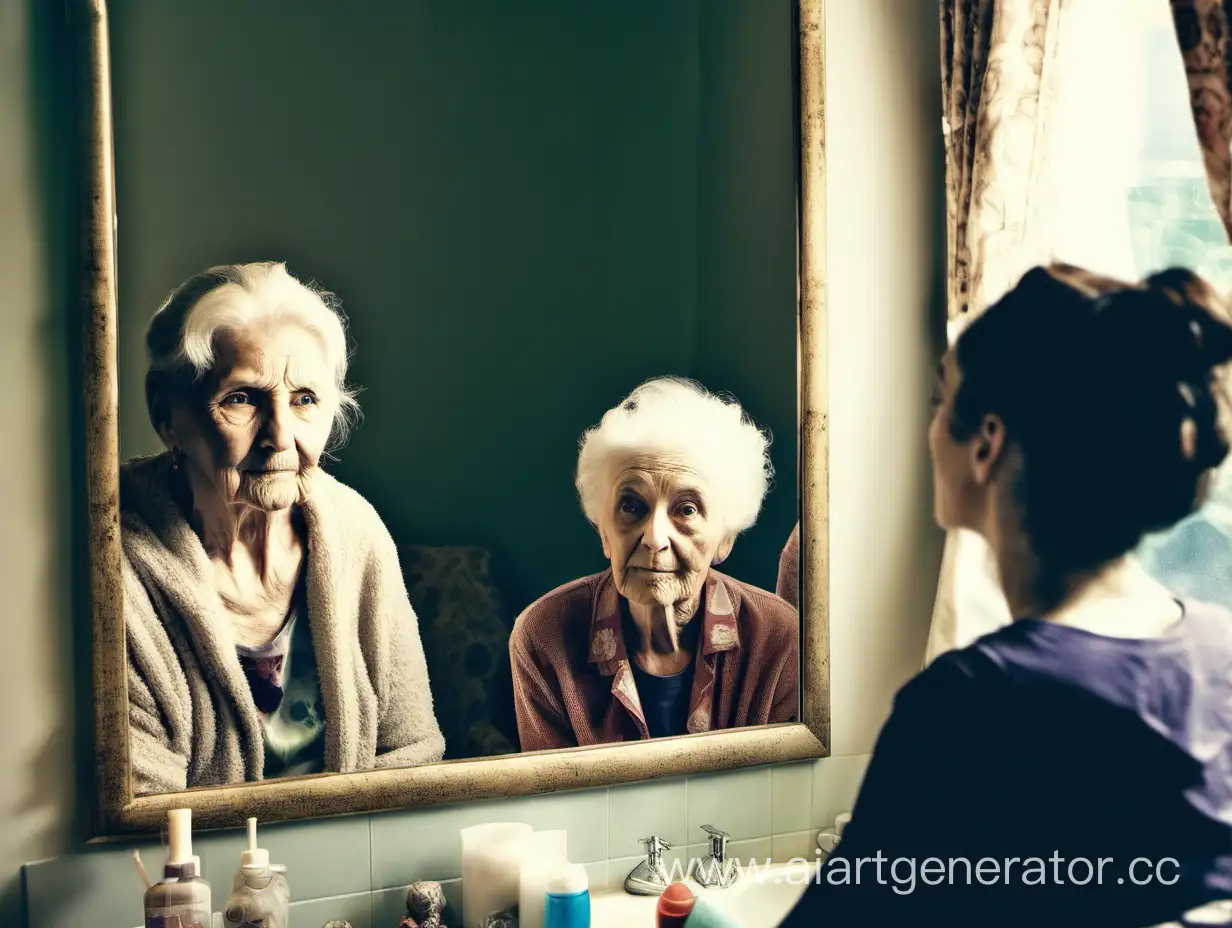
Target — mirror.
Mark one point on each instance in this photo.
(458, 388)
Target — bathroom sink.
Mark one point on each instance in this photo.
(764, 898)
(761, 898)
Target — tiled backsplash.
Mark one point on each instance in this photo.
(357, 867)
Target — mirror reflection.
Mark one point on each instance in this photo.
(457, 392)
(660, 643)
(269, 630)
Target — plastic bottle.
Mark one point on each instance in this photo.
(181, 899)
(260, 896)
(708, 915)
(675, 904)
(567, 903)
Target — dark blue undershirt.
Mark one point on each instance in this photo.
(665, 700)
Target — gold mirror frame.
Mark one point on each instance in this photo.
(119, 813)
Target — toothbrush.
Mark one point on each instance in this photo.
(141, 871)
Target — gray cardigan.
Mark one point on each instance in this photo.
(192, 718)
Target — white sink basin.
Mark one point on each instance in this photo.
(765, 897)
(761, 898)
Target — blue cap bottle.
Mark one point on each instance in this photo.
(567, 904)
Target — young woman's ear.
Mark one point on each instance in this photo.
(987, 448)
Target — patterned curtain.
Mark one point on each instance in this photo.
(1202, 32)
(999, 90)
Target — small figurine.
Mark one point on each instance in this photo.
(425, 901)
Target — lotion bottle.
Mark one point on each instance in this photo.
(260, 896)
(181, 899)
(567, 903)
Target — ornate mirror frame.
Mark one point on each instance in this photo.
(119, 813)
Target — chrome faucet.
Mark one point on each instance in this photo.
(715, 870)
(649, 878)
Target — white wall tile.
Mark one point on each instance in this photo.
(836, 782)
(791, 797)
(640, 810)
(737, 802)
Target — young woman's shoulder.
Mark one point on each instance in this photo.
(955, 689)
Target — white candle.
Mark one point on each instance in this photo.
(492, 857)
(545, 851)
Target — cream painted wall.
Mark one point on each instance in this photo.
(885, 265)
(37, 773)
(885, 275)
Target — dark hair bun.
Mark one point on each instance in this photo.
(1204, 311)
(1174, 333)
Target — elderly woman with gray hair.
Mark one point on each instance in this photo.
(269, 629)
(660, 643)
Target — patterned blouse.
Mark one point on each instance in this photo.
(574, 684)
(283, 678)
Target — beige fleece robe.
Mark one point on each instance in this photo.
(193, 721)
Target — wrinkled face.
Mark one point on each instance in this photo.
(662, 532)
(962, 470)
(257, 428)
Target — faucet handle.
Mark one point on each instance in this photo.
(655, 845)
(649, 877)
(716, 869)
(718, 841)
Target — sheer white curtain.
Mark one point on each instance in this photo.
(1057, 146)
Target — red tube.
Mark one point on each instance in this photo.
(674, 906)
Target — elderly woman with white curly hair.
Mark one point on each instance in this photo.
(269, 629)
(660, 643)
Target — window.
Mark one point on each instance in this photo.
(1151, 185)
(1172, 219)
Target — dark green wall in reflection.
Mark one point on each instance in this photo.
(526, 208)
